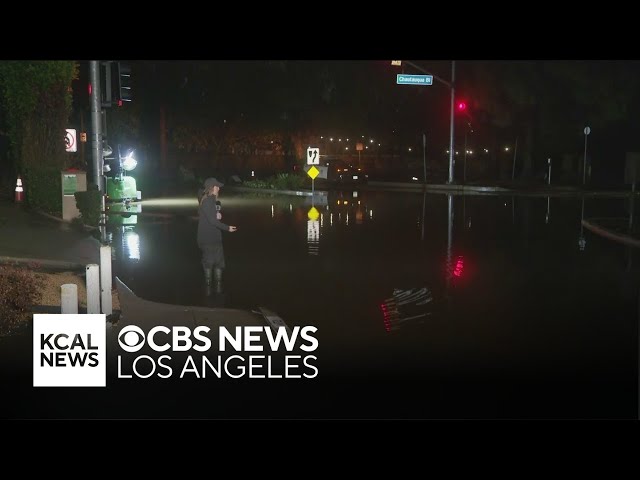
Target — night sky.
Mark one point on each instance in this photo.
(545, 104)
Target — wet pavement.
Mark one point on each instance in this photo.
(532, 316)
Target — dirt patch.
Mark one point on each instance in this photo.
(52, 293)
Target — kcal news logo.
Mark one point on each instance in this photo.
(69, 350)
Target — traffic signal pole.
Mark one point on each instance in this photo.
(451, 118)
(96, 141)
(96, 123)
(451, 122)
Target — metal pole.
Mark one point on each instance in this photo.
(515, 151)
(96, 123)
(584, 165)
(549, 179)
(546, 219)
(424, 205)
(449, 242)
(451, 128)
(631, 198)
(105, 279)
(582, 242)
(464, 167)
(424, 155)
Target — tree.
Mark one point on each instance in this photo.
(35, 98)
(547, 103)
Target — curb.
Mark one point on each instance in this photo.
(611, 235)
(55, 264)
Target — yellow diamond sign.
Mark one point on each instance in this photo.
(313, 213)
(313, 172)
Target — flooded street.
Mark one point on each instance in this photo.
(531, 315)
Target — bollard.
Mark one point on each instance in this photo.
(69, 298)
(19, 190)
(105, 279)
(93, 288)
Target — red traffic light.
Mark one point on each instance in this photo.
(462, 106)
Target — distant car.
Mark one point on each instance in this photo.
(345, 172)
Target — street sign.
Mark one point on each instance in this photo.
(313, 156)
(313, 213)
(403, 79)
(70, 140)
(313, 172)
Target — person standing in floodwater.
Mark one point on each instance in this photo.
(210, 228)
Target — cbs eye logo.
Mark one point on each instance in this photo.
(131, 338)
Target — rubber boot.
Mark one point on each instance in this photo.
(218, 279)
(207, 275)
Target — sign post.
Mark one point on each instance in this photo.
(313, 158)
(587, 131)
(424, 156)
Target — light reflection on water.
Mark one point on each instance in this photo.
(520, 291)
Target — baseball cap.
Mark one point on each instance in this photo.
(212, 182)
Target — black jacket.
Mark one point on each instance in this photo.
(209, 227)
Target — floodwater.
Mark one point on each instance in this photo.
(531, 316)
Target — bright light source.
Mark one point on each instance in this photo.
(129, 162)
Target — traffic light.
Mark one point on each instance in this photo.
(461, 106)
(124, 83)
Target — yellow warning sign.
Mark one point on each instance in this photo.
(313, 213)
(313, 172)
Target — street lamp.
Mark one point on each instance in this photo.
(451, 86)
